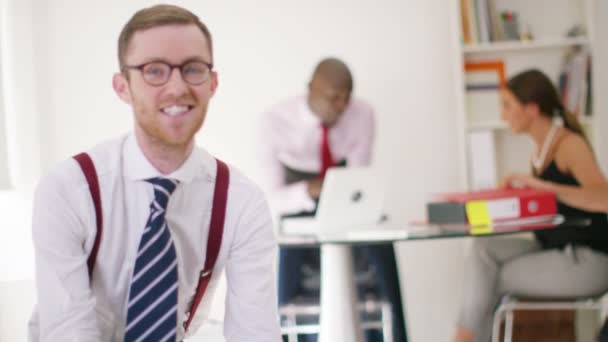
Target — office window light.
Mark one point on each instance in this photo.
(4, 168)
(4, 174)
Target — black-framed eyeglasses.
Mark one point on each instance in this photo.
(158, 73)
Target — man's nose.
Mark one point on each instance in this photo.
(176, 84)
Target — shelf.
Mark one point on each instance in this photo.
(517, 45)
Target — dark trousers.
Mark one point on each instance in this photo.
(379, 257)
(603, 335)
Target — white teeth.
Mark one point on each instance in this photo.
(175, 110)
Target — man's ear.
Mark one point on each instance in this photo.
(214, 82)
(121, 87)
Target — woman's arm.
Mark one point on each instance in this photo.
(574, 157)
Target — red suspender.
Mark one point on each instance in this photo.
(86, 164)
(216, 227)
(216, 230)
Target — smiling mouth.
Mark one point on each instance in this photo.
(176, 110)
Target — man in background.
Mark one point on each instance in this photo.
(300, 138)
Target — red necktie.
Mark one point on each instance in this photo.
(326, 159)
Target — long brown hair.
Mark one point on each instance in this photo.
(533, 86)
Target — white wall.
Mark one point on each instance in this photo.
(400, 51)
(4, 175)
(19, 87)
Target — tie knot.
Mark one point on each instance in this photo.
(163, 188)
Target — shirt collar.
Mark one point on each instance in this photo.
(306, 113)
(308, 117)
(137, 166)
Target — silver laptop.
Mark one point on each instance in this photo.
(351, 199)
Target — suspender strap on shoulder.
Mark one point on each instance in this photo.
(88, 168)
(216, 230)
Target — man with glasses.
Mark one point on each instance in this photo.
(166, 217)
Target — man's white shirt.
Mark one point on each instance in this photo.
(289, 134)
(71, 309)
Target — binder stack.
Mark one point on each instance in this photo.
(486, 207)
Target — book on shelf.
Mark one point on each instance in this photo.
(473, 21)
(464, 21)
(496, 32)
(481, 22)
(575, 82)
(483, 81)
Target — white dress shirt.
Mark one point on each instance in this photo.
(69, 309)
(290, 135)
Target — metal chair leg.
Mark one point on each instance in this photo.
(506, 311)
(292, 329)
(386, 317)
(509, 326)
(498, 318)
(292, 337)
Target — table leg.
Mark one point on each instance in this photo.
(339, 318)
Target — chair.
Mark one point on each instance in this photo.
(302, 317)
(510, 303)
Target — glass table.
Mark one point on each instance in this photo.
(339, 317)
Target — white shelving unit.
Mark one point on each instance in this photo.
(525, 45)
(548, 21)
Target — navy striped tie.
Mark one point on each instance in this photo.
(152, 307)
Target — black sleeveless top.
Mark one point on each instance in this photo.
(594, 236)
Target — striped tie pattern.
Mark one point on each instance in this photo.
(152, 306)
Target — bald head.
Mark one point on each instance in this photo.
(335, 72)
(329, 90)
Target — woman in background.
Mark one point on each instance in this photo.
(556, 264)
